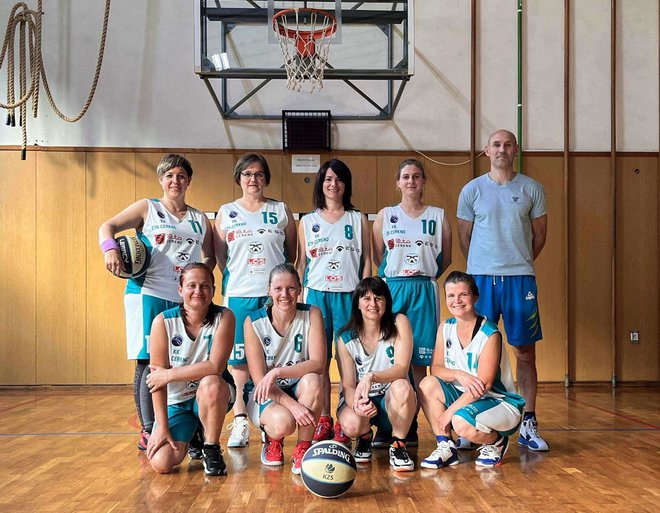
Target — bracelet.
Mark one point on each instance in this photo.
(109, 244)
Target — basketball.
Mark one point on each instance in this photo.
(134, 255)
(328, 469)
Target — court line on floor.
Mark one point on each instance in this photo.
(616, 414)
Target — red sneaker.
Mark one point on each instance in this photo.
(340, 436)
(272, 452)
(144, 440)
(323, 429)
(298, 453)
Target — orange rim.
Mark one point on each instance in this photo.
(305, 35)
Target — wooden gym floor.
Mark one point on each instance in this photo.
(71, 449)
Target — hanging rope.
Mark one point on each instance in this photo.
(29, 24)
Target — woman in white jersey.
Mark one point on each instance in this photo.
(286, 353)
(190, 345)
(253, 235)
(175, 234)
(412, 248)
(470, 389)
(334, 254)
(374, 351)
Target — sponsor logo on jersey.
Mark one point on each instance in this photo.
(261, 231)
(267, 340)
(192, 384)
(230, 237)
(394, 219)
(334, 278)
(333, 265)
(448, 343)
(315, 228)
(394, 232)
(256, 261)
(358, 360)
(449, 362)
(411, 258)
(317, 252)
(256, 247)
(390, 244)
(177, 269)
(411, 272)
(529, 296)
(257, 270)
(340, 248)
(190, 240)
(419, 242)
(313, 253)
(319, 240)
(402, 243)
(159, 238)
(243, 233)
(177, 340)
(289, 363)
(182, 256)
(233, 214)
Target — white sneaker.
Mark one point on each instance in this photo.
(444, 455)
(240, 433)
(464, 444)
(490, 455)
(529, 436)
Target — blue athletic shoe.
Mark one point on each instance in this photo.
(492, 455)
(529, 436)
(444, 455)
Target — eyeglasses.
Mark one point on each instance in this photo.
(257, 176)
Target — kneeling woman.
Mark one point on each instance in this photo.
(375, 349)
(470, 388)
(286, 354)
(189, 381)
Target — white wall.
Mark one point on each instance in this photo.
(149, 96)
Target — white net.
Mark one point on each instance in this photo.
(304, 36)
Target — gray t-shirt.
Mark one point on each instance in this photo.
(501, 243)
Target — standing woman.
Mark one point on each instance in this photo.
(334, 254)
(374, 352)
(412, 248)
(190, 345)
(285, 347)
(175, 234)
(253, 235)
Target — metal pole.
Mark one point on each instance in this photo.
(520, 88)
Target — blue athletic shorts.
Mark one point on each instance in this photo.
(140, 311)
(242, 307)
(486, 414)
(515, 299)
(381, 420)
(335, 308)
(183, 418)
(417, 298)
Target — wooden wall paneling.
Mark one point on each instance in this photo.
(18, 252)
(110, 187)
(146, 179)
(387, 192)
(297, 188)
(590, 241)
(61, 264)
(550, 267)
(637, 268)
(212, 183)
(364, 170)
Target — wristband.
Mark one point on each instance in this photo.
(109, 244)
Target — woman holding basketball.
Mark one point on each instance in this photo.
(175, 234)
(286, 354)
(470, 389)
(253, 235)
(412, 248)
(334, 254)
(189, 381)
(374, 351)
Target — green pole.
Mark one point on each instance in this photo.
(520, 89)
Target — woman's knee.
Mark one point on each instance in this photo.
(212, 390)
(401, 393)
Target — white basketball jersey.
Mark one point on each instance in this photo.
(413, 247)
(334, 252)
(173, 243)
(255, 244)
(185, 351)
(467, 360)
(381, 359)
(287, 350)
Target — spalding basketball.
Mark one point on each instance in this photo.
(134, 255)
(328, 469)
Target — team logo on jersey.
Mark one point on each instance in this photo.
(267, 340)
(161, 215)
(192, 384)
(394, 219)
(257, 261)
(261, 231)
(390, 244)
(333, 265)
(230, 237)
(177, 340)
(411, 258)
(448, 343)
(358, 360)
(233, 214)
(316, 227)
(182, 256)
(256, 247)
(160, 238)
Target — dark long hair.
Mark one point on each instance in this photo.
(343, 173)
(377, 287)
(213, 308)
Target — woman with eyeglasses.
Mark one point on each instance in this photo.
(252, 235)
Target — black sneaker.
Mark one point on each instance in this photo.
(412, 439)
(383, 439)
(400, 459)
(196, 443)
(362, 453)
(214, 464)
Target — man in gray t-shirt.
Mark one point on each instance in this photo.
(502, 226)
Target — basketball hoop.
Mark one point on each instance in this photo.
(304, 36)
